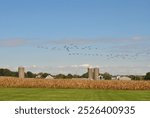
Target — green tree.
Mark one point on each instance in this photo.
(60, 76)
(107, 76)
(14, 74)
(136, 77)
(30, 75)
(1, 72)
(76, 76)
(147, 77)
(69, 76)
(85, 75)
(44, 75)
(5, 72)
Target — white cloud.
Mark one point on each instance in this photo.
(81, 66)
(85, 65)
(95, 40)
(75, 66)
(148, 65)
(12, 42)
(125, 70)
(77, 41)
(61, 66)
(136, 38)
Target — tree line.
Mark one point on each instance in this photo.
(29, 74)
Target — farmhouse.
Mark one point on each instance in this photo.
(124, 78)
(49, 77)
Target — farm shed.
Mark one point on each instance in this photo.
(124, 78)
(49, 77)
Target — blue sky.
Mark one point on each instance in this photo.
(67, 36)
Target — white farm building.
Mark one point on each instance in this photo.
(49, 77)
(124, 78)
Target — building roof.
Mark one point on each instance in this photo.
(49, 77)
(124, 78)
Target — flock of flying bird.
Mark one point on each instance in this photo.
(77, 50)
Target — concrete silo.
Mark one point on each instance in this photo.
(90, 73)
(96, 73)
(21, 72)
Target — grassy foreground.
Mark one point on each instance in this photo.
(47, 94)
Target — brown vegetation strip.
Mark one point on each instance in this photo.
(8, 82)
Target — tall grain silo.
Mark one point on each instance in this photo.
(96, 73)
(90, 73)
(21, 72)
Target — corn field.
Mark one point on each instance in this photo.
(9, 82)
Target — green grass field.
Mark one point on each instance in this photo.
(45, 94)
